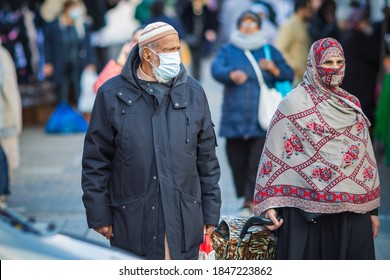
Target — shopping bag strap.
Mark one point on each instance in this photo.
(267, 52)
(256, 67)
(254, 221)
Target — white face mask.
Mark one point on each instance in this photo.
(169, 66)
(75, 13)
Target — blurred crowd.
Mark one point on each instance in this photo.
(59, 40)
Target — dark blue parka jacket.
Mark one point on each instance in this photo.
(151, 167)
(241, 102)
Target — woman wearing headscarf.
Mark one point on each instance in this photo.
(318, 161)
(239, 122)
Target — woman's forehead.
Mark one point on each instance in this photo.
(332, 52)
(324, 49)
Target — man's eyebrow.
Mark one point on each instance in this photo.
(171, 48)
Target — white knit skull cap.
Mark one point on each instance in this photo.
(155, 31)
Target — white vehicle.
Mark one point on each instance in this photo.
(22, 239)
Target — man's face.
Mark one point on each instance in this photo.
(167, 44)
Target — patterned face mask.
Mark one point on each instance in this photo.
(331, 77)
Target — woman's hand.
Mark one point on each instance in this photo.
(272, 214)
(238, 76)
(269, 66)
(375, 225)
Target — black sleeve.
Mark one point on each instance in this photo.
(374, 212)
(96, 165)
(209, 170)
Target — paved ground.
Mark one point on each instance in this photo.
(47, 185)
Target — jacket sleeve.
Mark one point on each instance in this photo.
(96, 165)
(286, 73)
(49, 43)
(208, 170)
(90, 53)
(220, 68)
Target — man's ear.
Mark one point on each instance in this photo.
(146, 54)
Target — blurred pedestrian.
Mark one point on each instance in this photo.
(282, 10)
(150, 172)
(68, 50)
(239, 123)
(201, 25)
(318, 171)
(294, 39)
(324, 24)
(229, 14)
(51, 9)
(268, 28)
(158, 14)
(114, 67)
(143, 11)
(10, 122)
(362, 51)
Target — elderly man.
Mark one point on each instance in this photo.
(150, 172)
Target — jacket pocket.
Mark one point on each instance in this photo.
(128, 219)
(192, 221)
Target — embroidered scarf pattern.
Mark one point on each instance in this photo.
(318, 155)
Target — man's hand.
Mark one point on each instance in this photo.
(106, 231)
(208, 229)
(48, 69)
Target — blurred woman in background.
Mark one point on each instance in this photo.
(239, 123)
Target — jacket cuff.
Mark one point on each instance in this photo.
(99, 218)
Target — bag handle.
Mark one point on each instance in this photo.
(256, 67)
(255, 221)
(267, 52)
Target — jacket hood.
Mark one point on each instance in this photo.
(129, 70)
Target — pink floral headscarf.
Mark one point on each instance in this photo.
(318, 154)
(328, 80)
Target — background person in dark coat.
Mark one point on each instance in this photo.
(68, 50)
(323, 24)
(201, 25)
(150, 172)
(362, 53)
